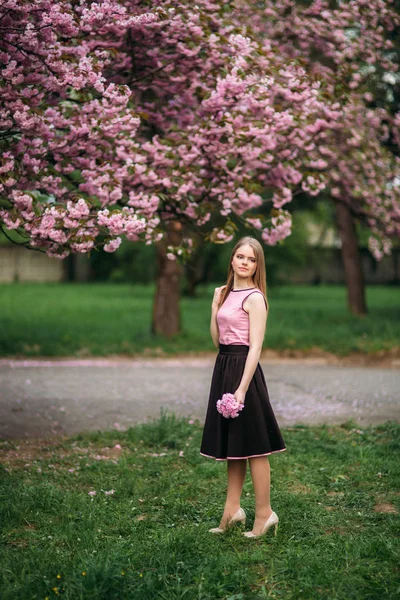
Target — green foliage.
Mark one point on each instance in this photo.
(149, 539)
(132, 262)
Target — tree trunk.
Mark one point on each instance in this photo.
(77, 267)
(351, 259)
(166, 313)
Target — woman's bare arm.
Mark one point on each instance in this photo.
(214, 309)
(214, 325)
(258, 321)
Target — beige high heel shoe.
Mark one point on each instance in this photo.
(238, 517)
(272, 520)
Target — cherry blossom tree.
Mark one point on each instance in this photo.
(150, 126)
(63, 127)
(157, 120)
(350, 45)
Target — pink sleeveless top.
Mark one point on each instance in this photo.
(233, 320)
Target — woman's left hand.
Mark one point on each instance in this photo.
(240, 395)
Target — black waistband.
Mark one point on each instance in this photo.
(233, 349)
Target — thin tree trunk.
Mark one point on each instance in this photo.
(351, 259)
(77, 268)
(166, 312)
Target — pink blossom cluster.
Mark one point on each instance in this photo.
(281, 229)
(379, 247)
(112, 245)
(117, 121)
(347, 44)
(124, 221)
(65, 128)
(345, 34)
(228, 406)
(225, 138)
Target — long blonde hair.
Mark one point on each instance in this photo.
(259, 277)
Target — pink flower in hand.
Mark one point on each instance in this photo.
(229, 407)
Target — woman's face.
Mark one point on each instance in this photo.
(244, 262)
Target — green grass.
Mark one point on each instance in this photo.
(103, 319)
(150, 540)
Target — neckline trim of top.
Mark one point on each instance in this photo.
(244, 289)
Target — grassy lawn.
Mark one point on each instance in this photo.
(102, 319)
(335, 489)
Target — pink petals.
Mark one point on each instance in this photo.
(106, 493)
(112, 245)
(281, 229)
(229, 407)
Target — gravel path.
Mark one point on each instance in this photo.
(41, 398)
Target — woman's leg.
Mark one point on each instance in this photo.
(260, 474)
(236, 476)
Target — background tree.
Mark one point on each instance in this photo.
(355, 47)
(175, 123)
(133, 124)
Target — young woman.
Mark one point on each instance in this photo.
(238, 321)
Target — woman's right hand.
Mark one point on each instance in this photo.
(217, 295)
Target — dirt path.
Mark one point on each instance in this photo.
(40, 398)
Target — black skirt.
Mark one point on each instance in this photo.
(255, 432)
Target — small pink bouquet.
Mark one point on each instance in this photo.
(229, 407)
